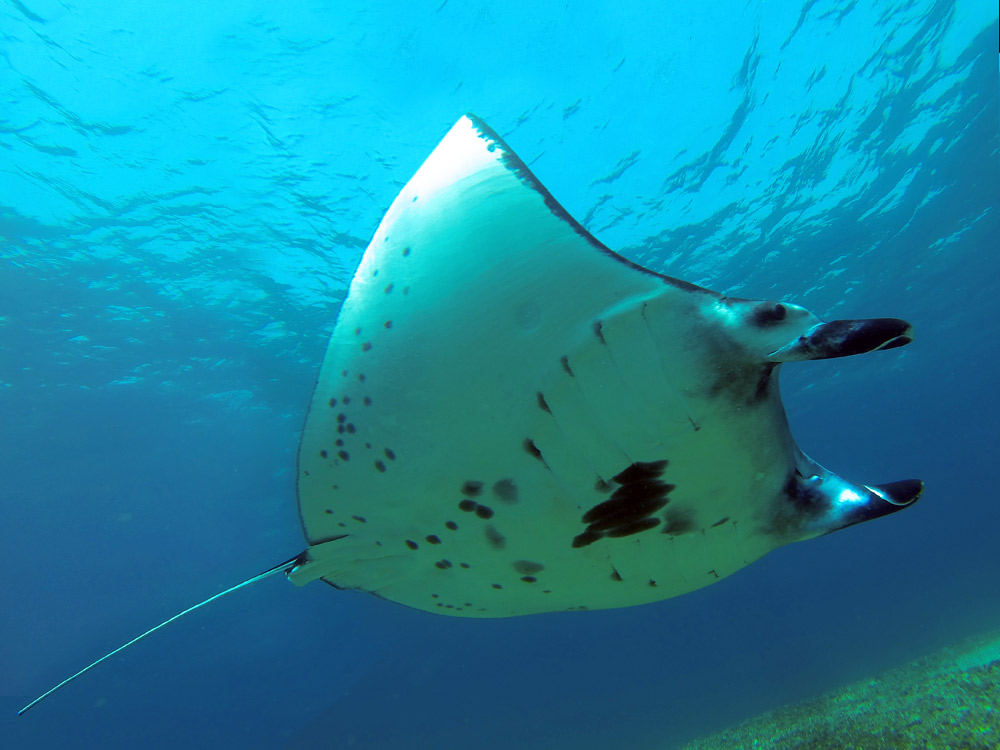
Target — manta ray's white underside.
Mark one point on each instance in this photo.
(511, 418)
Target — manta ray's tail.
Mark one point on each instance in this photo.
(285, 566)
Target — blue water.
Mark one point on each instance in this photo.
(185, 190)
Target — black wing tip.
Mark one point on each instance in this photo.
(514, 162)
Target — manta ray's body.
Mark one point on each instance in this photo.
(511, 418)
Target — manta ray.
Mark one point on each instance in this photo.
(511, 418)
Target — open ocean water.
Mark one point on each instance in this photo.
(185, 191)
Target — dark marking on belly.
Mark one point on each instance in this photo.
(505, 490)
(586, 538)
(565, 365)
(542, 403)
(599, 332)
(494, 537)
(720, 522)
(635, 527)
(678, 522)
(472, 488)
(532, 449)
(615, 575)
(527, 567)
(630, 508)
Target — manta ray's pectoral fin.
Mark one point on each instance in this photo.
(841, 338)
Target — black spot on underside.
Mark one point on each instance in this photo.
(678, 522)
(505, 490)
(630, 508)
(451, 525)
(411, 544)
(380, 466)
(494, 537)
(532, 449)
(527, 567)
(366, 346)
(433, 539)
(586, 538)
(542, 403)
(599, 332)
(635, 527)
(484, 511)
(720, 522)
(467, 505)
(472, 488)
(565, 365)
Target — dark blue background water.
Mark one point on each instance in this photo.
(185, 190)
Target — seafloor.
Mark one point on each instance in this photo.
(947, 701)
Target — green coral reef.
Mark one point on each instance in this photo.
(947, 701)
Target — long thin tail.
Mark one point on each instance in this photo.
(287, 565)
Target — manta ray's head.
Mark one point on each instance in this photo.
(814, 501)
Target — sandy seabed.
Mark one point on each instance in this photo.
(949, 700)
